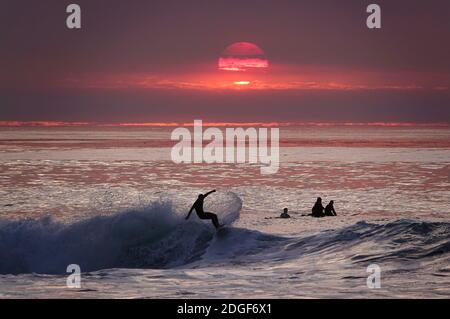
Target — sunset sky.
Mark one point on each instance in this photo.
(158, 61)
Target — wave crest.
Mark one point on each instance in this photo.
(155, 237)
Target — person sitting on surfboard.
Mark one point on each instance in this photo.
(198, 206)
(329, 210)
(317, 210)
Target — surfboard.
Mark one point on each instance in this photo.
(223, 230)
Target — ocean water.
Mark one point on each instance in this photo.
(110, 200)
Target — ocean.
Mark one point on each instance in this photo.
(110, 200)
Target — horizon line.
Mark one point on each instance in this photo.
(211, 124)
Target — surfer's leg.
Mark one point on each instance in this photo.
(213, 218)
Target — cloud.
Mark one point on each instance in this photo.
(278, 78)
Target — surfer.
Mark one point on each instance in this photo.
(198, 206)
(317, 210)
(285, 214)
(329, 210)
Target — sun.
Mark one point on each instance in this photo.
(242, 82)
(243, 57)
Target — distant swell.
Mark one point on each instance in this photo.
(401, 240)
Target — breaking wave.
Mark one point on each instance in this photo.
(153, 237)
(159, 237)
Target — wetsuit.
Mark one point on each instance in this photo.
(329, 210)
(317, 210)
(198, 206)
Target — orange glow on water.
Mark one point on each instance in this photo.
(51, 124)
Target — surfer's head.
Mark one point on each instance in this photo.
(201, 196)
(319, 199)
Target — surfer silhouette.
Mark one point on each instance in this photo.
(285, 214)
(198, 206)
(317, 210)
(329, 210)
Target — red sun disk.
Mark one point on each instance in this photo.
(243, 56)
(243, 48)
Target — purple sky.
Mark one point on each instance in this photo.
(325, 65)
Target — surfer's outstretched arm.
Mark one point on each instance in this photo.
(208, 193)
(190, 212)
